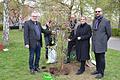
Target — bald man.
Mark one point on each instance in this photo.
(101, 33)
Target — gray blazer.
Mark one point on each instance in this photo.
(101, 36)
(29, 33)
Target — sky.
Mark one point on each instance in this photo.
(1, 0)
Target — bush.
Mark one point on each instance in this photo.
(1, 27)
(116, 32)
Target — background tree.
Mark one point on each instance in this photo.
(61, 10)
(1, 11)
(21, 5)
(5, 23)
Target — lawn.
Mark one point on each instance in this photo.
(14, 63)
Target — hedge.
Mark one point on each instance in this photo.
(1, 27)
(116, 32)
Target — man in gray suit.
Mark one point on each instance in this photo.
(33, 41)
(101, 34)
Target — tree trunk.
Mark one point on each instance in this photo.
(69, 15)
(5, 23)
(81, 8)
(20, 18)
(20, 14)
(119, 21)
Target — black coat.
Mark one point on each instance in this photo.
(30, 37)
(83, 45)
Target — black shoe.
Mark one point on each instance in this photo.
(37, 69)
(94, 73)
(46, 57)
(99, 76)
(80, 72)
(32, 71)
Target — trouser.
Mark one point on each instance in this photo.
(34, 56)
(47, 41)
(46, 55)
(100, 62)
(82, 67)
(70, 46)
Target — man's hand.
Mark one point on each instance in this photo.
(27, 46)
(69, 39)
(48, 46)
(53, 32)
(78, 38)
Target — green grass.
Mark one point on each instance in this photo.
(14, 63)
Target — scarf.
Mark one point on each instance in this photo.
(97, 21)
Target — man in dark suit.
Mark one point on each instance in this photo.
(33, 41)
(101, 34)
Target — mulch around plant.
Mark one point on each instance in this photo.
(68, 71)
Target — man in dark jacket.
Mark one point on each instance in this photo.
(33, 41)
(101, 34)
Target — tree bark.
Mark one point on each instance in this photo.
(5, 23)
(81, 8)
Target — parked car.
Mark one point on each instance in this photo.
(15, 26)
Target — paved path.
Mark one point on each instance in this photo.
(114, 43)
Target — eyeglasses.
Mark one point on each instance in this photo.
(97, 11)
(82, 19)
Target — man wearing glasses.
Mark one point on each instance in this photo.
(33, 40)
(101, 34)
